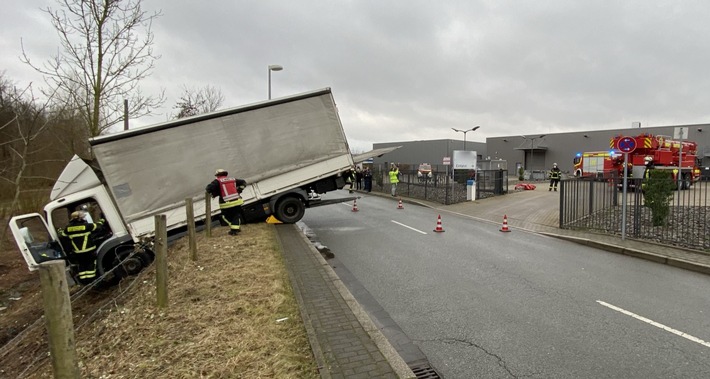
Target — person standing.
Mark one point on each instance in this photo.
(394, 178)
(350, 179)
(555, 174)
(367, 177)
(229, 190)
(81, 235)
(358, 178)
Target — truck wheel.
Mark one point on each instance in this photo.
(290, 210)
(128, 263)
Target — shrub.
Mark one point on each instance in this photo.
(657, 194)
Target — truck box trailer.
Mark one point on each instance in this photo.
(288, 150)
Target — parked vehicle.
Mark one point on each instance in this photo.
(597, 164)
(666, 153)
(287, 149)
(424, 173)
(678, 157)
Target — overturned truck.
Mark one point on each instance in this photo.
(288, 150)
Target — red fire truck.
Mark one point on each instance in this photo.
(600, 164)
(665, 151)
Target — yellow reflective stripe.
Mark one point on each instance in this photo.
(87, 274)
(230, 204)
(85, 238)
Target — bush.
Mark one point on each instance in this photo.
(657, 195)
(521, 171)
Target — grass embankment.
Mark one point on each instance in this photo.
(231, 314)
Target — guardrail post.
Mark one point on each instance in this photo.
(208, 215)
(57, 311)
(190, 210)
(161, 261)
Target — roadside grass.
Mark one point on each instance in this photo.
(231, 314)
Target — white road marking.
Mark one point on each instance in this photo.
(408, 227)
(656, 324)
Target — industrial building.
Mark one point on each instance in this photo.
(537, 152)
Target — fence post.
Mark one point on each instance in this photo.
(57, 311)
(190, 210)
(161, 260)
(208, 215)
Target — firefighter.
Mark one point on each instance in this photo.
(554, 175)
(350, 179)
(229, 190)
(81, 235)
(648, 162)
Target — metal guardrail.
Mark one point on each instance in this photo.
(597, 204)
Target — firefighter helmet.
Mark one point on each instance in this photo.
(220, 172)
(648, 159)
(78, 215)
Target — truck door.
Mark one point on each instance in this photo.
(34, 240)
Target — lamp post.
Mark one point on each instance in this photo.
(273, 67)
(532, 151)
(464, 134)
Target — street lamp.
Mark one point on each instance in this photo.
(532, 151)
(273, 67)
(464, 133)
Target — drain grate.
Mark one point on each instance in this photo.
(423, 370)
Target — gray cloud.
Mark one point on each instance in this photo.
(412, 70)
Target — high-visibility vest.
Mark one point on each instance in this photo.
(228, 189)
(393, 176)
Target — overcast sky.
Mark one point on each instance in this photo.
(412, 70)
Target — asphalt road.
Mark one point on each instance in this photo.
(486, 304)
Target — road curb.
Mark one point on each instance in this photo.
(675, 262)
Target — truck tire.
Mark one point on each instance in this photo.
(129, 262)
(290, 210)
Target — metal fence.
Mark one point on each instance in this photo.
(442, 187)
(597, 205)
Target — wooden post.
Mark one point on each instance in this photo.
(208, 215)
(57, 311)
(161, 260)
(191, 228)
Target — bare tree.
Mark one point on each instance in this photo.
(26, 144)
(198, 101)
(107, 51)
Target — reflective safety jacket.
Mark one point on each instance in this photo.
(394, 176)
(555, 173)
(79, 234)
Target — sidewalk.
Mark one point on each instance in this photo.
(345, 342)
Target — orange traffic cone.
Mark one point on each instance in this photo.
(439, 229)
(505, 224)
(355, 205)
(400, 206)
